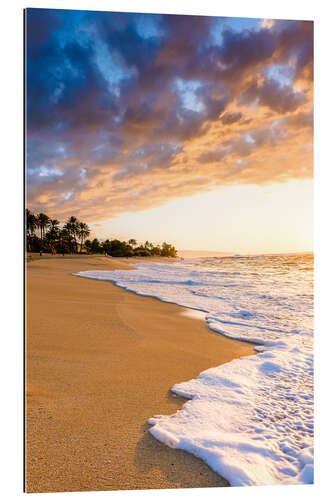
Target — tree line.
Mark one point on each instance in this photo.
(44, 234)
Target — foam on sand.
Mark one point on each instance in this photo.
(250, 420)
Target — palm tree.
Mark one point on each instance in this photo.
(42, 222)
(132, 242)
(53, 234)
(83, 232)
(72, 225)
(149, 246)
(30, 226)
(54, 224)
(65, 241)
(30, 222)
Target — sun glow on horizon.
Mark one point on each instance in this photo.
(274, 218)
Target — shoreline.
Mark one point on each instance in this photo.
(100, 363)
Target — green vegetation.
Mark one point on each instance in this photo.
(46, 235)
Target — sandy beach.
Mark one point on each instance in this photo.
(100, 361)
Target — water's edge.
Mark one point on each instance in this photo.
(244, 418)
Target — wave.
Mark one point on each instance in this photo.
(250, 420)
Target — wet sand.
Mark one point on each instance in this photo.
(100, 361)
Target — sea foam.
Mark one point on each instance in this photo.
(250, 420)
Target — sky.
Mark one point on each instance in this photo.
(191, 129)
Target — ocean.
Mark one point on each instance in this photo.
(250, 420)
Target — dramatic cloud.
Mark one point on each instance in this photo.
(127, 111)
(229, 118)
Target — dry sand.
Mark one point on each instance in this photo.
(99, 363)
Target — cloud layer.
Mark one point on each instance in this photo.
(127, 111)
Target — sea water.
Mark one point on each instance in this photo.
(250, 420)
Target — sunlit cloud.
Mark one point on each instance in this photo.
(126, 112)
